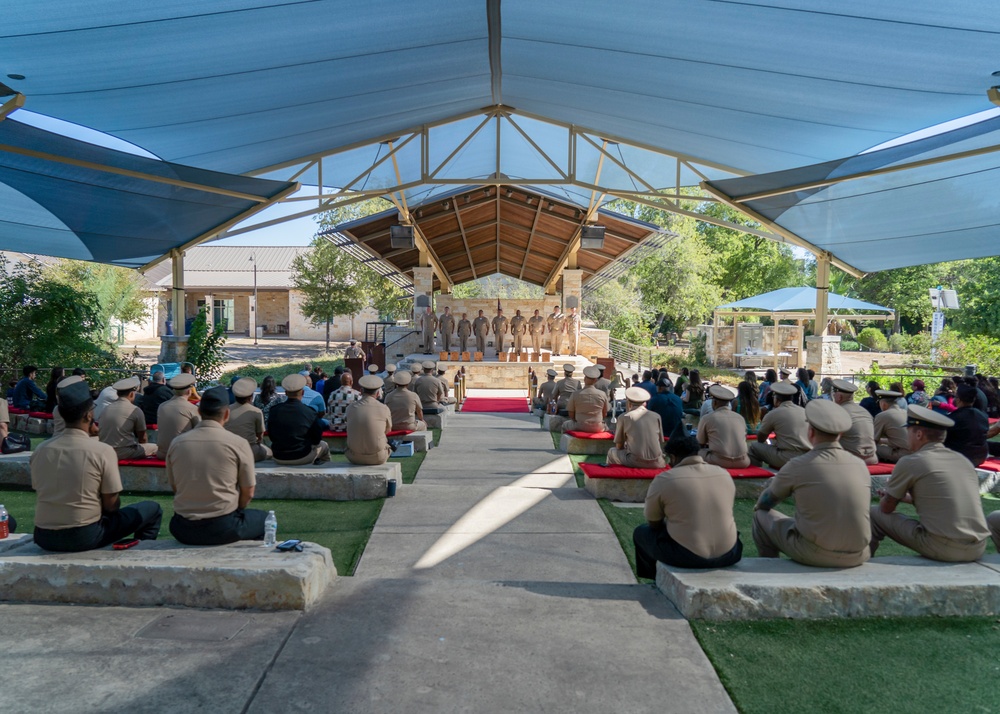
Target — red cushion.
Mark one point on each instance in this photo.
(990, 465)
(15, 410)
(334, 434)
(993, 420)
(602, 435)
(151, 427)
(598, 471)
(753, 437)
(151, 461)
(39, 415)
(750, 472)
(400, 432)
(880, 469)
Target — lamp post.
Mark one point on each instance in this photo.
(253, 309)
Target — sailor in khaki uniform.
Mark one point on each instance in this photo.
(890, 428)
(565, 388)
(832, 492)
(944, 488)
(546, 390)
(689, 515)
(788, 422)
(572, 331)
(430, 390)
(500, 325)
(604, 384)
(446, 327)
(210, 470)
(556, 322)
(177, 414)
(443, 379)
(588, 407)
(481, 328)
(860, 438)
(246, 420)
(428, 323)
(353, 351)
(58, 423)
(464, 331)
(536, 328)
(518, 326)
(368, 421)
(639, 437)
(122, 425)
(723, 433)
(404, 405)
(77, 483)
(387, 384)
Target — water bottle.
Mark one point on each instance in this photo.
(4, 522)
(270, 530)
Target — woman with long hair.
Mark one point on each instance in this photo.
(943, 400)
(770, 377)
(55, 376)
(748, 406)
(268, 397)
(694, 393)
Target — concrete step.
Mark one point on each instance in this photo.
(594, 447)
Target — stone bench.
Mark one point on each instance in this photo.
(239, 576)
(891, 586)
(326, 482)
(596, 445)
(632, 485)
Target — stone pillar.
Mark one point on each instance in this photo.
(423, 290)
(823, 354)
(572, 289)
(822, 294)
(210, 311)
(174, 347)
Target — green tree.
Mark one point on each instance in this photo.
(206, 349)
(119, 292)
(331, 282)
(385, 296)
(978, 286)
(905, 291)
(617, 307)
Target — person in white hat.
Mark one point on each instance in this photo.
(404, 405)
(832, 493)
(177, 414)
(723, 433)
(387, 384)
(246, 420)
(368, 422)
(891, 437)
(639, 436)
(787, 421)
(123, 427)
(860, 438)
(430, 389)
(546, 390)
(943, 487)
(588, 407)
(296, 429)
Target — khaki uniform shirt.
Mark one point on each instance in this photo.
(121, 422)
(572, 323)
(444, 385)
(173, 418)
(367, 423)
(791, 431)
(430, 390)
(464, 328)
(58, 423)
(565, 388)
(891, 425)
(536, 325)
(587, 407)
(481, 326)
(547, 389)
(206, 467)
(387, 386)
(555, 322)
(429, 322)
(446, 323)
(604, 384)
(643, 432)
(5, 412)
(725, 433)
(353, 353)
(403, 405)
(518, 325)
(945, 491)
(860, 438)
(246, 421)
(69, 473)
(500, 324)
(832, 491)
(696, 501)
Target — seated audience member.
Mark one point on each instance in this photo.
(319, 384)
(368, 422)
(770, 378)
(58, 423)
(992, 398)
(648, 383)
(607, 386)
(981, 403)
(689, 514)
(296, 430)
(211, 472)
(176, 415)
(919, 394)
(787, 421)
(268, 397)
(343, 397)
(708, 405)
(545, 390)
(968, 435)
(901, 399)
(387, 384)
(682, 379)
(51, 396)
(944, 488)
(313, 399)
(891, 440)
(870, 403)
(565, 388)
(404, 405)
(429, 388)
(104, 398)
(748, 406)
(246, 420)
(448, 399)
(639, 435)
(943, 400)
(156, 393)
(826, 388)
(694, 394)
(860, 438)
(668, 405)
(832, 493)
(723, 433)
(188, 368)
(588, 407)
(78, 486)
(804, 382)
(123, 427)
(5, 419)
(27, 394)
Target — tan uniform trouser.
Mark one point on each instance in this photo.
(428, 341)
(571, 425)
(908, 531)
(139, 451)
(556, 422)
(890, 454)
(771, 455)
(368, 459)
(320, 452)
(446, 341)
(463, 343)
(260, 452)
(621, 457)
(518, 343)
(773, 531)
(536, 342)
(993, 521)
(724, 461)
(481, 343)
(573, 339)
(557, 343)
(499, 341)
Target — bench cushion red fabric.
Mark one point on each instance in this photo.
(603, 435)
(599, 471)
(400, 432)
(155, 463)
(753, 437)
(880, 469)
(750, 472)
(15, 410)
(334, 434)
(40, 415)
(990, 465)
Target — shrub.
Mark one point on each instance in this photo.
(872, 338)
(849, 346)
(897, 342)
(206, 350)
(699, 353)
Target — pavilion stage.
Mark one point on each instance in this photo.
(491, 373)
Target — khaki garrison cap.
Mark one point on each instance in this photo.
(244, 387)
(569, 368)
(370, 382)
(125, 385)
(637, 395)
(69, 381)
(182, 381)
(922, 416)
(591, 372)
(402, 377)
(842, 385)
(887, 394)
(390, 368)
(828, 417)
(717, 391)
(785, 389)
(551, 372)
(294, 383)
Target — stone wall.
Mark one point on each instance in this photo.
(407, 343)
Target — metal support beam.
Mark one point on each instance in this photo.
(178, 311)
(465, 241)
(11, 105)
(822, 292)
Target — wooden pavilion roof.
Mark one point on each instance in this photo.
(498, 229)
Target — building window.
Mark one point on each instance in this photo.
(224, 313)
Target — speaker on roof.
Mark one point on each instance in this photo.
(592, 237)
(401, 236)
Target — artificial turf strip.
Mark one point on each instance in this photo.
(866, 665)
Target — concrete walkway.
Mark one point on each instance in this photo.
(492, 583)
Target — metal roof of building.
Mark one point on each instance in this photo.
(224, 266)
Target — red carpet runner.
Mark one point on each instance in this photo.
(509, 405)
